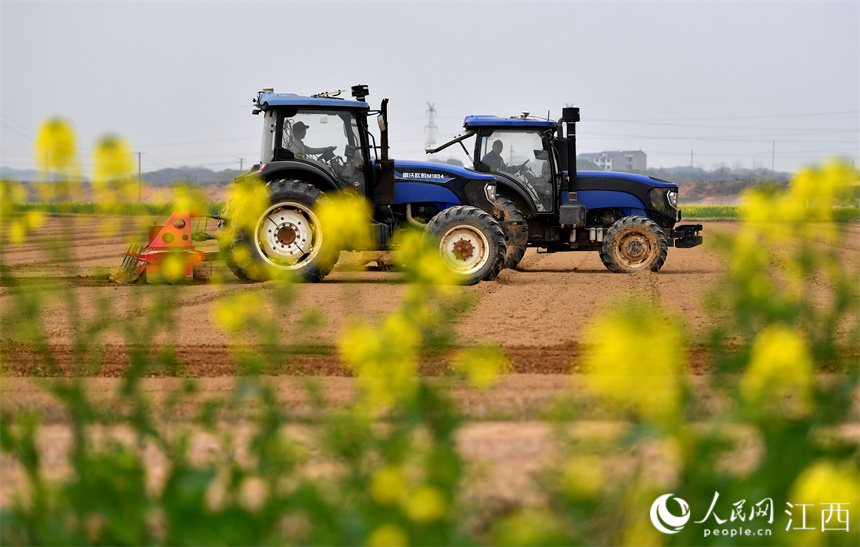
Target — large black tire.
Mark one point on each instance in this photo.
(515, 228)
(286, 239)
(634, 244)
(471, 243)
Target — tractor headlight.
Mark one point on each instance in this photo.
(490, 191)
(664, 199)
(672, 196)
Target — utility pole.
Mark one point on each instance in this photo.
(431, 128)
(241, 164)
(772, 157)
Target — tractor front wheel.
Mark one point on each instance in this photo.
(471, 243)
(633, 244)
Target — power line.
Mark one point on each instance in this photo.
(727, 117)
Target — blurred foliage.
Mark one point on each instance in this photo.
(387, 470)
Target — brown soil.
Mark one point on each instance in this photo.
(535, 314)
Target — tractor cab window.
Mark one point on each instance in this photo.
(522, 156)
(328, 139)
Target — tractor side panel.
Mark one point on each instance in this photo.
(439, 183)
(606, 199)
(420, 192)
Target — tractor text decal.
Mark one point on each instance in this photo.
(427, 176)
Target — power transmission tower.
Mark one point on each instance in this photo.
(431, 127)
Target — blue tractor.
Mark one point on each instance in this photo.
(318, 145)
(542, 201)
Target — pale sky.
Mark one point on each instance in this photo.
(723, 79)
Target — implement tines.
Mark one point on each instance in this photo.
(133, 265)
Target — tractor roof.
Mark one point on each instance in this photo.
(473, 123)
(495, 121)
(290, 99)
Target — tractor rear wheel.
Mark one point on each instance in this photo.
(516, 230)
(286, 238)
(471, 243)
(634, 244)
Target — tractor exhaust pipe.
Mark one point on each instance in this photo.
(571, 212)
(385, 167)
(569, 118)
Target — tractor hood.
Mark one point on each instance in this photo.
(650, 181)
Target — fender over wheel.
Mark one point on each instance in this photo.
(633, 244)
(471, 243)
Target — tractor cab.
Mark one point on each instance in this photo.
(519, 152)
(323, 137)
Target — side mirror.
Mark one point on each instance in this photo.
(380, 120)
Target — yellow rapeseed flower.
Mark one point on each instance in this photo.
(232, 312)
(112, 173)
(188, 198)
(527, 527)
(481, 365)
(825, 481)
(384, 359)
(426, 504)
(112, 160)
(247, 201)
(780, 373)
(387, 535)
(57, 149)
(174, 266)
(633, 358)
(823, 485)
(421, 260)
(346, 221)
(388, 485)
(17, 225)
(582, 477)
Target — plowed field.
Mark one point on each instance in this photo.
(535, 313)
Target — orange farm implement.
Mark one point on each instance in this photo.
(169, 256)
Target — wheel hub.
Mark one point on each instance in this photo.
(286, 235)
(463, 250)
(635, 248)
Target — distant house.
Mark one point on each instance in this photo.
(619, 160)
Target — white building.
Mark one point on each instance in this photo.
(619, 160)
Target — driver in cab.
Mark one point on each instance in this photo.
(297, 145)
(495, 161)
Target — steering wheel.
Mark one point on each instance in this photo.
(327, 155)
(522, 168)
